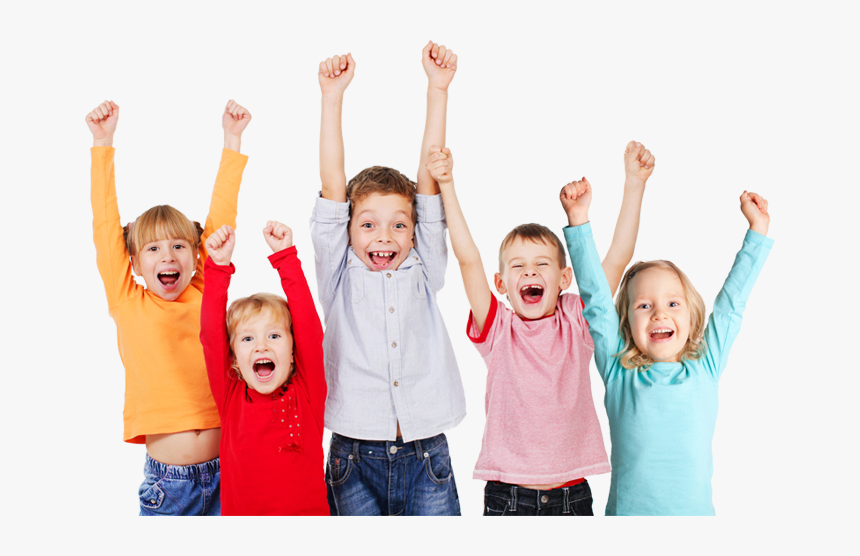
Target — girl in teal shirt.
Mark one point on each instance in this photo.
(660, 364)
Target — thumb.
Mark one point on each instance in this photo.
(446, 150)
(428, 48)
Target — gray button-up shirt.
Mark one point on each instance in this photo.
(388, 357)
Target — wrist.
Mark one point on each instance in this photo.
(759, 228)
(333, 97)
(232, 142)
(635, 184)
(434, 91)
(577, 219)
(103, 142)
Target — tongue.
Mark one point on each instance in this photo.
(661, 335)
(531, 296)
(264, 369)
(383, 260)
(168, 279)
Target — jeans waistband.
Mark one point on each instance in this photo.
(194, 471)
(389, 449)
(538, 498)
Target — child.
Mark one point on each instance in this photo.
(393, 381)
(542, 436)
(661, 369)
(168, 404)
(266, 373)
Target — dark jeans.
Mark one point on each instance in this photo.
(367, 477)
(504, 499)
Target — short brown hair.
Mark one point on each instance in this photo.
(247, 307)
(536, 234)
(161, 222)
(631, 356)
(382, 180)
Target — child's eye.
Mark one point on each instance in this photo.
(674, 304)
(153, 248)
(247, 338)
(178, 246)
(274, 336)
(367, 225)
(543, 264)
(400, 225)
(645, 306)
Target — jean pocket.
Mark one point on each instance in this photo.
(438, 467)
(496, 506)
(151, 497)
(339, 468)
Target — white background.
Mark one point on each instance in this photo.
(729, 96)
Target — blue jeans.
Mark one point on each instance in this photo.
(181, 489)
(367, 477)
(505, 499)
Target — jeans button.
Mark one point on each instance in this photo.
(393, 449)
(544, 499)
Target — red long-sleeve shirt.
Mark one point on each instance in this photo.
(271, 444)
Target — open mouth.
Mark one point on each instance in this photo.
(264, 369)
(381, 259)
(168, 278)
(661, 334)
(531, 293)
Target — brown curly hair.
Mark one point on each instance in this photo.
(382, 180)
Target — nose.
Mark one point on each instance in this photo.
(384, 236)
(530, 272)
(659, 314)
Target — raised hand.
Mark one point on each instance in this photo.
(278, 236)
(576, 198)
(440, 64)
(336, 73)
(754, 207)
(638, 163)
(102, 123)
(234, 121)
(440, 164)
(220, 245)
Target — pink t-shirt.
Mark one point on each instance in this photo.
(541, 424)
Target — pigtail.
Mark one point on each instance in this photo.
(199, 229)
(126, 233)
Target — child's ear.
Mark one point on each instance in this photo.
(134, 264)
(566, 278)
(500, 284)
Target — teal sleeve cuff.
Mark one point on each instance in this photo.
(573, 232)
(756, 237)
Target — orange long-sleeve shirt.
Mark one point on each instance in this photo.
(166, 386)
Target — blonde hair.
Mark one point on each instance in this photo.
(535, 233)
(161, 222)
(245, 308)
(631, 356)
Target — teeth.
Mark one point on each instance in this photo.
(524, 288)
(259, 361)
(168, 273)
(659, 330)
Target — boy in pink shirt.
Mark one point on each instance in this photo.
(542, 436)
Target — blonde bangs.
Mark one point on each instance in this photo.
(694, 348)
(162, 222)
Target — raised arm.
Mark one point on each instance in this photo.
(440, 64)
(440, 166)
(638, 166)
(335, 75)
(111, 251)
(307, 329)
(213, 311)
(724, 324)
(593, 287)
(225, 194)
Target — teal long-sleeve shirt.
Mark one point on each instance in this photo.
(662, 420)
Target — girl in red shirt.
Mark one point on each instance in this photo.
(265, 364)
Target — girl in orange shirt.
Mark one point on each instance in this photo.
(168, 404)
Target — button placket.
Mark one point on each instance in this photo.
(392, 325)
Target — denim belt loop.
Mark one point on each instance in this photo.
(355, 451)
(513, 498)
(418, 450)
(566, 504)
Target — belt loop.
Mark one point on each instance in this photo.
(418, 450)
(566, 504)
(513, 498)
(355, 451)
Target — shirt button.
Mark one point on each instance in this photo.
(349, 261)
(394, 344)
(391, 309)
(388, 275)
(393, 449)
(396, 383)
(544, 499)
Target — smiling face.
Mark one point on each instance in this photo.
(532, 278)
(263, 350)
(658, 313)
(381, 230)
(167, 266)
